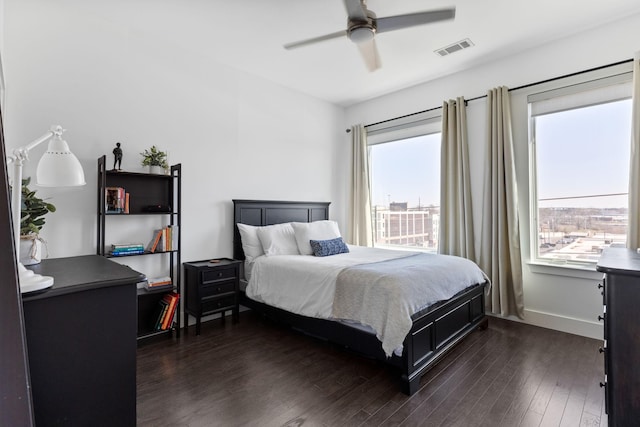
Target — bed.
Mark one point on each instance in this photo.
(434, 330)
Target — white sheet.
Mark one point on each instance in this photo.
(305, 284)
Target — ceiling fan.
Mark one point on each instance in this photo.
(363, 25)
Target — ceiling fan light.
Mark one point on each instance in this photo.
(361, 34)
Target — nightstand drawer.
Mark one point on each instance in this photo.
(213, 303)
(218, 274)
(217, 287)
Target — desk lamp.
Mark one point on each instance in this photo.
(58, 167)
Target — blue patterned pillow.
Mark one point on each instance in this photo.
(329, 247)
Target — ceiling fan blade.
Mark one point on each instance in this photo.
(356, 10)
(369, 52)
(315, 40)
(397, 22)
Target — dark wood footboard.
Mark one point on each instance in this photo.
(434, 332)
(437, 330)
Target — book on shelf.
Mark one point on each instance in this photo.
(128, 253)
(175, 230)
(171, 317)
(166, 311)
(159, 282)
(164, 239)
(127, 249)
(126, 203)
(156, 243)
(172, 299)
(163, 306)
(115, 199)
(126, 246)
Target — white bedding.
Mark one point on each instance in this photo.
(306, 285)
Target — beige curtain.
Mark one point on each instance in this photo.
(360, 230)
(633, 233)
(456, 221)
(500, 242)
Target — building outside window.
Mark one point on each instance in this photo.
(580, 153)
(405, 192)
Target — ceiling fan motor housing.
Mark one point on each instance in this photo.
(362, 31)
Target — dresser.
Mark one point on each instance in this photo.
(621, 316)
(81, 343)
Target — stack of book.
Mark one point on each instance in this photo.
(159, 283)
(125, 249)
(164, 240)
(116, 200)
(166, 311)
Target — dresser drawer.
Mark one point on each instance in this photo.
(216, 303)
(217, 287)
(218, 274)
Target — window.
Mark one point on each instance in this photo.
(405, 187)
(580, 152)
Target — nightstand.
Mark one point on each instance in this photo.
(211, 286)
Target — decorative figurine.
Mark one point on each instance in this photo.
(117, 157)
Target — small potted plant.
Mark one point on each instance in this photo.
(32, 214)
(155, 159)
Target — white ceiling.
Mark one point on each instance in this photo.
(250, 34)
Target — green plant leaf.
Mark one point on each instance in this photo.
(33, 210)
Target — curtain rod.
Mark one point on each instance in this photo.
(515, 88)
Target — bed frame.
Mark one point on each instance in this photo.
(434, 332)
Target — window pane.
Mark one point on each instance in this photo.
(405, 192)
(582, 159)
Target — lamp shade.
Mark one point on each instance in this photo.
(59, 167)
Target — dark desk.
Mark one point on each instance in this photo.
(81, 343)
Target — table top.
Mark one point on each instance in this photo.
(620, 261)
(81, 273)
(214, 262)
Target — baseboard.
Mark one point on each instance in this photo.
(560, 323)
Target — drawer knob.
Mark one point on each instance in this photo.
(601, 317)
(600, 286)
(602, 384)
(601, 350)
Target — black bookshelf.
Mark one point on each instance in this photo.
(148, 193)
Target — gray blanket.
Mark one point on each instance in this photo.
(384, 295)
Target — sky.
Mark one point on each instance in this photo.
(407, 170)
(569, 159)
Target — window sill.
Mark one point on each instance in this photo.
(567, 270)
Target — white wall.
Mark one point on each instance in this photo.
(236, 135)
(239, 136)
(554, 297)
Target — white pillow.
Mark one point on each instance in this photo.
(278, 239)
(317, 230)
(250, 242)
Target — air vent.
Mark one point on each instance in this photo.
(448, 50)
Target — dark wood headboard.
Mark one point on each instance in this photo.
(269, 212)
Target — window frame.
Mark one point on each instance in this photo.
(615, 86)
(416, 125)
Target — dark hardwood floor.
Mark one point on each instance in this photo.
(257, 373)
